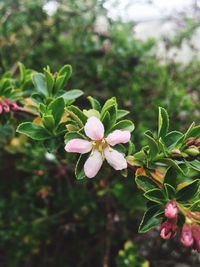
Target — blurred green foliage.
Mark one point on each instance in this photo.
(128, 257)
(47, 218)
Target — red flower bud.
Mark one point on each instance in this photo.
(171, 210)
(39, 172)
(168, 229)
(190, 141)
(186, 236)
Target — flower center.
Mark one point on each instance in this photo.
(100, 144)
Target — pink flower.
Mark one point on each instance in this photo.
(186, 236)
(100, 147)
(171, 209)
(168, 229)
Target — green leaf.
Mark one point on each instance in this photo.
(40, 83)
(106, 121)
(79, 170)
(131, 148)
(162, 147)
(69, 102)
(195, 207)
(187, 134)
(163, 122)
(122, 113)
(108, 104)
(49, 81)
(181, 141)
(72, 94)
(148, 132)
(52, 145)
(150, 219)
(57, 107)
(153, 147)
(72, 126)
(77, 115)
(49, 122)
(33, 131)
(145, 183)
(195, 132)
(140, 155)
(94, 103)
(38, 97)
(171, 139)
(173, 163)
(42, 108)
(111, 107)
(169, 191)
(72, 135)
(61, 129)
(91, 112)
(113, 115)
(155, 195)
(59, 83)
(121, 148)
(62, 77)
(188, 192)
(195, 165)
(124, 125)
(171, 177)
(66, 70)
(22, 72)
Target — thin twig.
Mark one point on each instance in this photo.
(34, 113)
(50, 217)
(109, 230)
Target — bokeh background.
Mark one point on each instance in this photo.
(147, 54)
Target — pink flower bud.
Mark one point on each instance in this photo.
(168, 229)
(171, 210)
(6, 107)
(186, 236)
(196, 236)
(14, 106)
(1, 108)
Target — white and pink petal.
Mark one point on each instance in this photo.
(78, 145)
(93, 164)
(94, 128)
(118, 137)
(115, 159)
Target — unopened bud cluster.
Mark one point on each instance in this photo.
(168, 227)
(190, 236)
(7, 105)
(190, 233)
(192, 149)
(193, 146)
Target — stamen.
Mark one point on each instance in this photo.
(100, 144)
